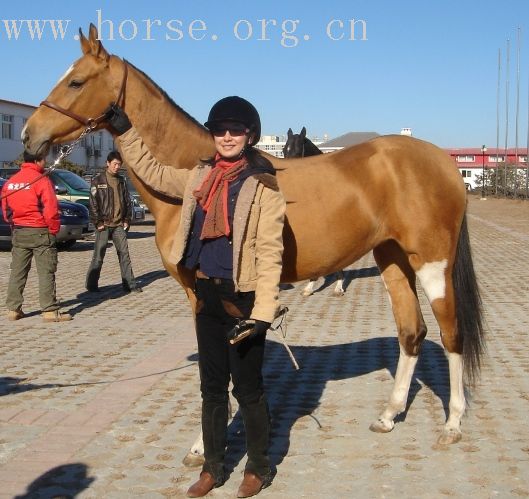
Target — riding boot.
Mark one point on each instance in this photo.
(214, 430)
(256, 420)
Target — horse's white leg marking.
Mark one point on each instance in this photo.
(432, 277)
(452, 430)
(198, 447)
(195, 457)
(338, 289)
(399, 395)
(309, 288)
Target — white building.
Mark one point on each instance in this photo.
(272, 144)
(90, 154)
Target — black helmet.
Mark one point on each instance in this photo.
(236, 109)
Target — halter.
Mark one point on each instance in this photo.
(90, 123)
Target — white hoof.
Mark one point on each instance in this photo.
(381, 426)
(193, 460)
(449, 436)
(338, 292)
(306, 292)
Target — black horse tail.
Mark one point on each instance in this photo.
(469, 313)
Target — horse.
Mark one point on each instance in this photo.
(298, 145)
(398, 196)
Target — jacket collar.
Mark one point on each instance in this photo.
(33, 166)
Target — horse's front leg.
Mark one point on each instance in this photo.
(309, 288)
(195, 456)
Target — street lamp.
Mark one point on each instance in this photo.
(483, 151)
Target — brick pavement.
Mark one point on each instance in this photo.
(107, 406)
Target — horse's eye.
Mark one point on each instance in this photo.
(75, 84)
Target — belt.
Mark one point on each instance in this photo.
(216, 280)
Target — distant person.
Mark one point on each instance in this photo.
(111, 212)
(30, 205)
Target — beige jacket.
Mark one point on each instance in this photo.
(257, 225)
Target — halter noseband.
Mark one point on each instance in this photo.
(89, 122)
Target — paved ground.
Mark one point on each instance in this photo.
(106, 406)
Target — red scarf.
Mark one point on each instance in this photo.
(212, 195)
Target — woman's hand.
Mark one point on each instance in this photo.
(117, 118)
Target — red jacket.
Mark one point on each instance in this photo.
(33, 205)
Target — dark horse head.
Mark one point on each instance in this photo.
(298, 146)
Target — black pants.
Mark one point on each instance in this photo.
(218, 308)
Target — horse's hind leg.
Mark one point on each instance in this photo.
(338, 289)
(437, 283)
(399, 279)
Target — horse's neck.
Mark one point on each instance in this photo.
(172, 136)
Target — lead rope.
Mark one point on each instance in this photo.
(282, 326)
(66, 150)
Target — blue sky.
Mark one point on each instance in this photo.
(430, 65)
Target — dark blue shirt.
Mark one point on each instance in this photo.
(214, 257)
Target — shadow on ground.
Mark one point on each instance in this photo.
(63, 482)
(294, 394)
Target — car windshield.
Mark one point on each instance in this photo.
(73, 180)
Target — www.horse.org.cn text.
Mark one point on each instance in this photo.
(287, 32)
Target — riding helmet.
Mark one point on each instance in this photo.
(236, 109)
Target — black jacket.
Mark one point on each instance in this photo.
(102, 200)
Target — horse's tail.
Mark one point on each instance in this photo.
(469, 312)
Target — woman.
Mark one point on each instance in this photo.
(230, 234)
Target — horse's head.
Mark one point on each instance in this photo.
(293, 147)
(86, 89)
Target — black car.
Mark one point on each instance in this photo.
(74, 223)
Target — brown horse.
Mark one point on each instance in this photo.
(398, 196)
(298, 145)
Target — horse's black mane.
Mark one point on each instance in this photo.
(166, 95)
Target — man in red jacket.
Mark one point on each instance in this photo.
(30, 205)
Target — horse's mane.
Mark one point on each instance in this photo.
(166, 95)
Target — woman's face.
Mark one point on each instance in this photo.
(230, 138)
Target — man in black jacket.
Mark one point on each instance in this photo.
(111, 212)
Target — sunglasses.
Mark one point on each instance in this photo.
(235, 130)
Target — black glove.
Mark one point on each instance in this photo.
(261, 327)
(117, 119)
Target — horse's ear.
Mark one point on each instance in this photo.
(290, 133)
(303, 132)
(96, 47)
(85, 44)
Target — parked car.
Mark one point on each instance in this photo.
(68, 185)
(74, 223)
(137, 197)
(138, 211)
